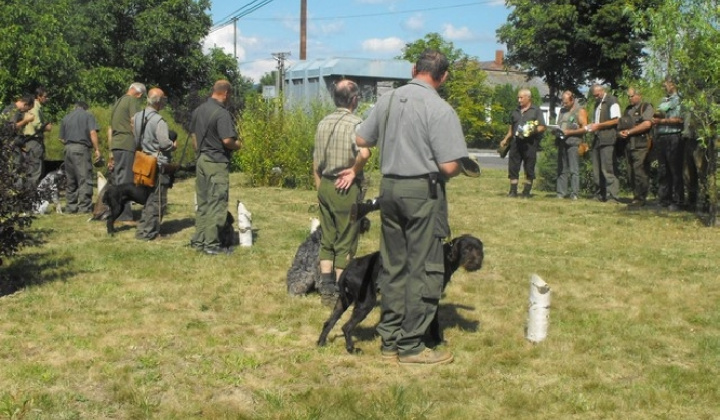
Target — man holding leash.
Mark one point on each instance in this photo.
(214, 138)
(152, 130)
(420, 141)
(338, 169)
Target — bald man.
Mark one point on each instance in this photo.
(338, 169)
(152, 130)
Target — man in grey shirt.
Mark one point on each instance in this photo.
(420, 142)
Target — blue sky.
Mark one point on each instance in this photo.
(375, 29)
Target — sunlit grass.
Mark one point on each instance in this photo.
(99, 327)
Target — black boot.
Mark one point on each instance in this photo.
(360, 210)
(328, 290)
(513, 191)
(526, 190)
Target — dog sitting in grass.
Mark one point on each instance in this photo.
(304, 274)
(358, 285)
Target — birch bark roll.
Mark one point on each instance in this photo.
(538, 310)
(244, 220)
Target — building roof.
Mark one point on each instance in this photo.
(498, 73)
(350, 67)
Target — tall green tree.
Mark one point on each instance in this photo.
(686, 36)
(568, 42)
(465, 89)
(92, 49)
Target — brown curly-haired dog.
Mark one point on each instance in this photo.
(358, 285)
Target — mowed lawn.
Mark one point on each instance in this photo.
(99, 327)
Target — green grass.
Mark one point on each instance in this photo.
(95, 327)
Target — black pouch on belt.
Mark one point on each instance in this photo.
(433, 185)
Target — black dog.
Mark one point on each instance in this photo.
(358, 285)
(116, 196)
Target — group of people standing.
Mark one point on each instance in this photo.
(132, 128)
(613, 132)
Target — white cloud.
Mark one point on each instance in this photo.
(223, 39)
(392, 44)
(457, 34)
(415, 23)
(257, 69)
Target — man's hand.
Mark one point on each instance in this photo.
(345, 179)
(111, 163)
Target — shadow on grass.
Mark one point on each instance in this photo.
(32, 269)
(173, 226)
(449, 317)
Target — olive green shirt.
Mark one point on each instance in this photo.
(120, 116)
(36, 126)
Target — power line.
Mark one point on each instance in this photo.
(240, 13)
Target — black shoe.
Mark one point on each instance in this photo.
(526, 190)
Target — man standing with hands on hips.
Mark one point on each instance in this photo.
(420, 141)
(338, 170)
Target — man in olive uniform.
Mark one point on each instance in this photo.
(78, 132)
(14, 118)
(420, 141)
(670, 124)
(338, 169)
(34, 149)
(604, 131)
(636, 151)
(121, 140)
(214, 139)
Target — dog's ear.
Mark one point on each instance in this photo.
(454, 253)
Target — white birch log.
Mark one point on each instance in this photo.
(101, 181)
(244, 220)
(538, 310)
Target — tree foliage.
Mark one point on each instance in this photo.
(465, 90)
(686, 35)
(92, 50)
(16, 201)
(568, 42)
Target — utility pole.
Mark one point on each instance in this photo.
(235, 19)
(280, 57)
(303, 29)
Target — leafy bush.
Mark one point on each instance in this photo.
(17, 198)
(278, 143)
